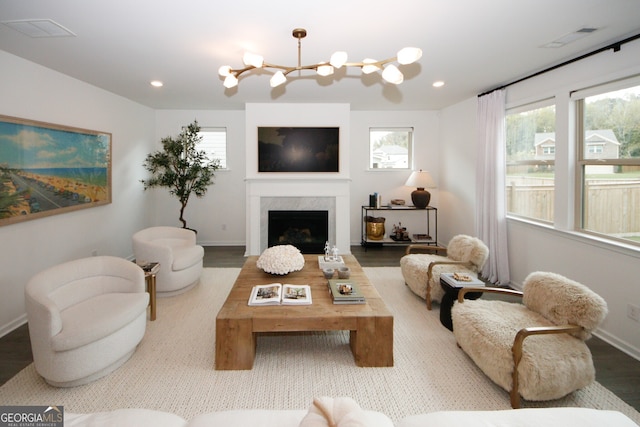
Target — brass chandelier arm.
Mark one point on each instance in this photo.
(288, 70)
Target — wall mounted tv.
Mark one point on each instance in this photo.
(298, 149)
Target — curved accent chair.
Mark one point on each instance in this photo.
(421, 272)
(535, 349)
(86, 318)
(179, 256)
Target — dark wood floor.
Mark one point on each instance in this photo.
(615, 370)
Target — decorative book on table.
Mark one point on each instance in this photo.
(345, 291)
(279, 294)
(461, 280)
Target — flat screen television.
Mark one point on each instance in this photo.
(298, 149)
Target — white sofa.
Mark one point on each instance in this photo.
(179, 256)
(548, 417)
(86, 318)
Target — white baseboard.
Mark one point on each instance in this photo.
(15, 324)
(617, 343)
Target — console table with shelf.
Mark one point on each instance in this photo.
(431, 223)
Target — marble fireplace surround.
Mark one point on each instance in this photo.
(264, 195)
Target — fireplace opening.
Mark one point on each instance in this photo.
(306, 230)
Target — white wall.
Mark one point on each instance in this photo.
(219, 215)
(224, 203)
(458, 170)
(32, 92)
(611, 271)
(390, 183)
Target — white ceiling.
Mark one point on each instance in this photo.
(474, 46)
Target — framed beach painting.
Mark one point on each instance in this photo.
(47, 169)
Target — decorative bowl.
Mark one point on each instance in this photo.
(344, 272)
(328, 272)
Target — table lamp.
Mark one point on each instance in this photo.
(420, 179)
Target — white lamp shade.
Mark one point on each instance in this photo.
(277, 79)
(253, 59)
(224, 71)
(325, 70)
(409, 55)
(230, 81)
(420, 179)
(367, 68)
(338, 59)
(391, 74)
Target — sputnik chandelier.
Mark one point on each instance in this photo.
(390, 72)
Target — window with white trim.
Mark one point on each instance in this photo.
(390, 148)
(608, 160)
(214, 144)
(530, 155)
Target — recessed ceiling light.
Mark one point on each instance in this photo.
(157, 83)
(439, 83)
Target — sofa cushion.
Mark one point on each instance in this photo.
(94, 318)
(530, 417)
(342, 412)
(124, 418)
(271, 418)
(249, 417)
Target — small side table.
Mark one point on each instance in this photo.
(451, 288)
(150, 270)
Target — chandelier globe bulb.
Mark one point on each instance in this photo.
(368, 66)
(409, 55)
(277, 79)
(230, 81)
(338, 59)
(324, 70)
(391, 74)
(253, 59)
(224, 71)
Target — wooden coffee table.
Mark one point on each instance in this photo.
(237, 323)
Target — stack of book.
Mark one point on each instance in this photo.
(345, 291)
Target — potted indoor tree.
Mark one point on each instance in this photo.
(181, 167)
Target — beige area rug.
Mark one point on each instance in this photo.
(172, 370)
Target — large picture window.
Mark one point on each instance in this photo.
(390, 148)
(608, 166)
(530, 154)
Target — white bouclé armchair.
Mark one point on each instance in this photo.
(179, 256)
(86, 318)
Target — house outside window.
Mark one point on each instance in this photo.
(214, 144)
(390, 148)
(530, 154)
(608, 161)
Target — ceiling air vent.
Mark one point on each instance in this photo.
(571, 37)
(39, 28)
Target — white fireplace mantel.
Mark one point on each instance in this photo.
(331, 192)
(308, 186)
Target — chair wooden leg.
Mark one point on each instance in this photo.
(516, 351)
(428, 296)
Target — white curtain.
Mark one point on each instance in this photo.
(490, 186)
